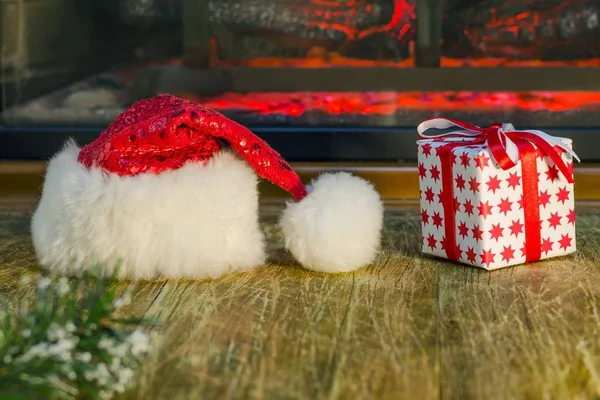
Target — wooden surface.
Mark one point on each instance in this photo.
(408, 327)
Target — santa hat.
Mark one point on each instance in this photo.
(169, 190)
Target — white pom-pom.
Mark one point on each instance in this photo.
(337, 226)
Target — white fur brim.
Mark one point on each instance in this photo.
(337, 226)
(194, 222)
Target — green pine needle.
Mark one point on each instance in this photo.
(69, 342)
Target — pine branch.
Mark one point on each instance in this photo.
(69, 342)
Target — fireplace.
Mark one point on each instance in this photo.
(389, 64)
(349, 80)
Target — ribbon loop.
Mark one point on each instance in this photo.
(503, 141)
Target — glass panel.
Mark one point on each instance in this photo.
(521, 32)
(94, 102)
(80, 66)
(578, 109)
(309, 33)
(71, 62)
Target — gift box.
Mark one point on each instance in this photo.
(495, 197)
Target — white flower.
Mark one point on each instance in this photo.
(63, 287)
(84, 357)
(61, 386)
(67, 369)
(63, 348)
(102, 374)
(139, 342)
(106, 343)
(120, 388)
(89, 375)
(26, 334)
(125, 375)
(70, 327)
(39, 350)
(55, 332)
(119, 350)
(105, 394)
(115, 365)
(44, 283)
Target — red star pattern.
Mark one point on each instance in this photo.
(454, 158)
(563, 195)
(485, 209)
(458, 252)
(520, 202)
(470, 255)
(426, 149)
(422, 171)
(489, 207)
(457, 205)
(429, 195)
(460, 183)
(440, 197)
(513, 180)
(493, 184)
(552, 173)
(424, 217)
(554, 220)
(474, 185)
(505, 206)
(482, 161)
(547, 245)
(431, 242)
(463, 230)
(524, 250)
(468, 207)
(544, 198)
(435, 173)
(496, 232)
(444, 244)
(508, 253)
(477, 233)
(437, 220)
(571, 217)
(465, 160)
(487, 257)
(516, 228)
(565, 242)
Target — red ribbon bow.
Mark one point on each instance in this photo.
(507, 147)
(502, 140)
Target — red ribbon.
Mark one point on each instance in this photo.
(449, 242)
(531, 202)
(497, 142)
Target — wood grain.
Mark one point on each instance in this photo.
(408, 327)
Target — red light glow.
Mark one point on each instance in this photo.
(388, 103)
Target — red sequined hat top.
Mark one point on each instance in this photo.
(165, 132)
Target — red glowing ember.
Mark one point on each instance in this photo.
(318, 57)
(388, 103)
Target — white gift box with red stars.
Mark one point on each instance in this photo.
(477, 212)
